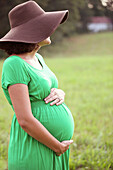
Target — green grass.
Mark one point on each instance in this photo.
(88, 83)
(91, 45)
(5, 122)
(86, 76)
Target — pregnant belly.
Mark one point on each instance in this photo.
(57, 120)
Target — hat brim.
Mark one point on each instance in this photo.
(37, 29)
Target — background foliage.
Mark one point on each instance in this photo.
(83, 64)
(79, 14)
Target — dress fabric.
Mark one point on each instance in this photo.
(25, 152)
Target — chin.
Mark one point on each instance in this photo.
(49, 42)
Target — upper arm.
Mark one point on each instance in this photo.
(19, 95)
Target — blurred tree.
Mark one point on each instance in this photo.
(42, 3)
(109, 4)
(98, 9)
(85, 13)
(109, 9)
(70, 26)
(4, 27)
(79, 13)
(89, 8)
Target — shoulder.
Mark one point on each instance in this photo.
(13, 64)
(14, 71)
(12, 61)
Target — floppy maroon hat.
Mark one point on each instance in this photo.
(31, 24)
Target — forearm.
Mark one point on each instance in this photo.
(35, 129)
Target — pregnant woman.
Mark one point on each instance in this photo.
(42, 124)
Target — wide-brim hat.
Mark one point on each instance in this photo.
(31, 24)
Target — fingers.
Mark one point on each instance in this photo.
(53, 93)
(67, 142)
(65, 145)
(60, 102)
(50, 98)
(52, 89)
(56, 95)
(58, 154)
(54, 102)
(66, 148)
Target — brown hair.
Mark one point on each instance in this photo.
(17, 47)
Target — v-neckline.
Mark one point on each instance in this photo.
(30, 64)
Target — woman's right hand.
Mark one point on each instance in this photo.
(64, 146)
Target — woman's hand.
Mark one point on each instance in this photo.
(64, 146)
(56, 95)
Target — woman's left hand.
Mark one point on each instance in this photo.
(56, 95)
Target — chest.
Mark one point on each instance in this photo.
(41, 82)
(36, 64)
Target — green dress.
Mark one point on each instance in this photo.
(25, 152)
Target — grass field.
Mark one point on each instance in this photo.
(85, 73)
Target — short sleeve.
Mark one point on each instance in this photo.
(14, 71)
